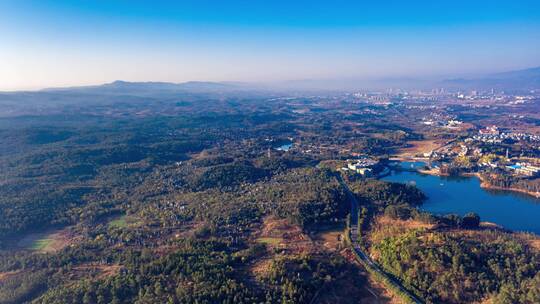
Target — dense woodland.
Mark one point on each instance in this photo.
(443, 267)
(509, 182)
(162, 203)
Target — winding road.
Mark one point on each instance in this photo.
(353, 234)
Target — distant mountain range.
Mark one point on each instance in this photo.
(123, 92)
(519, 80)
(120, 87)
(514, 80)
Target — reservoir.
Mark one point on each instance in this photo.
(461, 195)
(285, 147)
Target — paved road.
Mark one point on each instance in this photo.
(354, 239)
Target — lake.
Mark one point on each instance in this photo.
(285, 147)
(461, 195)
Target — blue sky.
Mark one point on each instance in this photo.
(56, 43)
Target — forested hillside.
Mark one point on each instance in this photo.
(192, 202)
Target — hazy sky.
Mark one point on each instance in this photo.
(58, 43)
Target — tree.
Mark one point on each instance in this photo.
(361, 219)
(470, 221)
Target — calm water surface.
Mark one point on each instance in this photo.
(463, 194)
(285, 147)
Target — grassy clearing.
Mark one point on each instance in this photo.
(48, 241)
(41, 244)
(120, 222)
(270, 240)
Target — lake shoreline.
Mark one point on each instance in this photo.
(446, 197)
(484, 184)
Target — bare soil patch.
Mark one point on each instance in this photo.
(287, 238)
(98, 271)
(8, 274)
(330, 240)
(420, 147)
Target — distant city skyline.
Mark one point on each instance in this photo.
(69, 43)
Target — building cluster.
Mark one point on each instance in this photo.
(363, 166)
(494, 136)
(492, 95)
(492, 130)
(524, 169)
(474, 158)
(441, 120)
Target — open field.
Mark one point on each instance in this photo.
(420, 147)
(270, 241)
(42, 244)
(331, 239)
(48, 241)
(119, 222)
(280, 234)
(123, 221)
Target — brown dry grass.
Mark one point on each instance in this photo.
(535, 244)
(260, 268)
(420, 147)
(380, 293)
(7, 275)
(330, 240)
(281, 237)
(384, 226)
(406, 224)
(280, 234)
(98, 271)
(61, 239)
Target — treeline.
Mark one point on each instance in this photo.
(447, 268)
(508, 181)
(378, 195)
(197, 271)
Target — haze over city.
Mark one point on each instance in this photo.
(71, 43)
